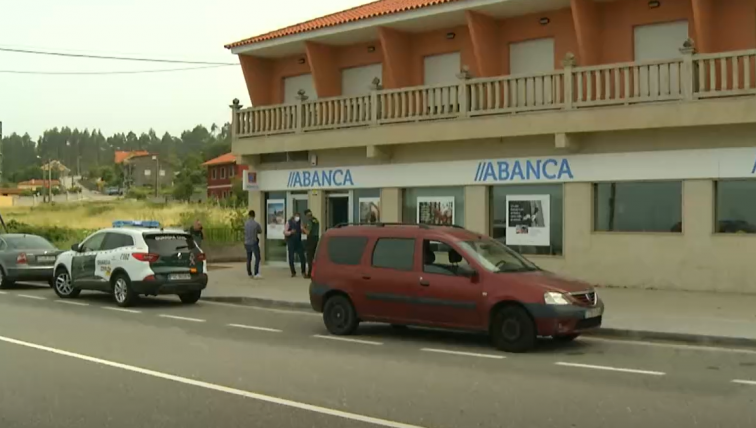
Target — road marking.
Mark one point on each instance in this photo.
(251, 327)
(129, 311)
(344, 339)
(3, 292)
(669, 345)
(260, 308)
(174, 317)
(26, 296)
(216, 387)
(745, 382)
(612, 369)
(68, 302)
(465, 354)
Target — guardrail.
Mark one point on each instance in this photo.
(690, 77)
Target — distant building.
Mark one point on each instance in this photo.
(147, 169)
(37, 184)
(221, 171)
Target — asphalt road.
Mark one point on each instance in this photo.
(85, 364)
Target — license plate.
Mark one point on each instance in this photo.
(46, 258)
(593, 313)
(179, 276)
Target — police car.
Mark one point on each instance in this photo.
(131, 259)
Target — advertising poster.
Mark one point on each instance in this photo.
(528, 221)
(438, 210)
(370, 210)
(275, 219)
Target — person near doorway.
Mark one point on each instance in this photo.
(197, 234)
(252, 231)
(293, 234)
(311, 228)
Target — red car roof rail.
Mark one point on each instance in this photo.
(383, 224)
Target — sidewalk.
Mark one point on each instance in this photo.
(703, 318)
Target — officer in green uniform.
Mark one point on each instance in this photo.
(311, 228)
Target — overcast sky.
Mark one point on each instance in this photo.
(174, 29)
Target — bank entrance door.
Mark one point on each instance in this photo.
(339, 209)
(297, 203)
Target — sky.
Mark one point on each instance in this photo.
(193, 30)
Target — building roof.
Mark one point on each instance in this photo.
(121, 156)
(359, 13)
(222, 159)
(35, 182)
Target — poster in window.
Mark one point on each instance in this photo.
(438, 210)
(370, 210)
(528, 220)
(275, 219)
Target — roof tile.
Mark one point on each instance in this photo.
(222, 159)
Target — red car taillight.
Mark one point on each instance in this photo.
(201, 257)
(21, 259)
(145, 257)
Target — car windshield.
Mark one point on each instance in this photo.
(28, 242)
(497, 257)
(165, 244)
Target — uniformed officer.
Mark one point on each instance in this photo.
(312, 229)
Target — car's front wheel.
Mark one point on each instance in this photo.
(339, 316)
(63, 285)
(513, 330)
(122, 293)
(190, 298)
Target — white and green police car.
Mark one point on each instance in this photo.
(131, 259)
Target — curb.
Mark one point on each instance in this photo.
(604, 332)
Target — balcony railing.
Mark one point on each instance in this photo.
(688, 78)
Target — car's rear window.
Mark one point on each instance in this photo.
(346, 250)
(168, 243)
(28, 242)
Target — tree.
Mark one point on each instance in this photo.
(183, 189)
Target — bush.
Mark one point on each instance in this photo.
(139, 193)
(61, 237)
(27, 192)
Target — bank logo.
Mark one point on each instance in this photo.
(552, 169)
(321, 178)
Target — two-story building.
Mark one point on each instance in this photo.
(221, 172)
(608, 140)
(145, 169)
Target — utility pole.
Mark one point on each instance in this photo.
(157, 174)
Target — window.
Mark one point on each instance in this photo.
(346, 250)
(28, 242)
(394, 253)
(214, 173)
(654, 206)
(281, 157)
(736, 206)
(556, 216)
(231, 171)
(147, 172)
(657, 42)
(93, 243)
(223, 172)
(166, 244)
(440, 258)
(410, 201)
(116, 240)
(531, 56)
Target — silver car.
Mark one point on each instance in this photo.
(26, 258)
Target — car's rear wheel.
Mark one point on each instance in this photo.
(63, 285)
(339, 316)
(122, 293)
(4, 281)
(564, 338)
(513, 330)
(190, 298)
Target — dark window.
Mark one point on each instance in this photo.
(215, 173)
(556, 214)
(394, 253)
(231, 171)
(736, 206)
(440, 258)
(93, 243)
(303, 155)
(169, 243)
(346, 250)
(281, 157)
(28, 242)
(116, 240)
(653, 206)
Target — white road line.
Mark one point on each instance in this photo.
(216, 387)
(69, 302)
(260, 308)
(464, 354)
(745, 382)
(26, 296)
(344, 339)
(669, 345)
(251, 327)
(3, 292)
(129, 311)
(181, 318)
(611, 369)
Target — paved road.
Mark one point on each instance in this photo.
(166, 365)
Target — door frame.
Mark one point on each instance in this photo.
(348, 194)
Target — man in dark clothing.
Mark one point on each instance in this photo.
(311, 228)
(293, 234)
(252, 231)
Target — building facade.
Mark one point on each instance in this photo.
(221, 172)
(607, 140)
(147, 171)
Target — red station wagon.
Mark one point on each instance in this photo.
(445, 277)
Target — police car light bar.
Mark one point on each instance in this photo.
(151, 224)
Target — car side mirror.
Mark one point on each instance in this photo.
(75, 247)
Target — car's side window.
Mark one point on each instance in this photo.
(94, 243)
(116, 240)
(3, 245)
(441, 258)
(394, 253)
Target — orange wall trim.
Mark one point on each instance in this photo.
(258, 77)
(397, 57)
(484, 36)
(325, 69)
(585, 16)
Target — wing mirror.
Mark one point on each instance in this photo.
(75, 247)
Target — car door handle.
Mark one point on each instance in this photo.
(424, 282)
(365, 276)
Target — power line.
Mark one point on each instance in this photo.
(117, 58)
(94, 73)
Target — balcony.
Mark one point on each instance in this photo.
(690, 77)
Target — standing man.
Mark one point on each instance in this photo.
(312, 230)
(293, 234)
(197, 233)
(252, 231)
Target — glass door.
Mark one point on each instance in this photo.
(339, 209)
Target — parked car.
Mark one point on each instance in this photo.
(445, 277)
(26, 258)
(114, 191)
